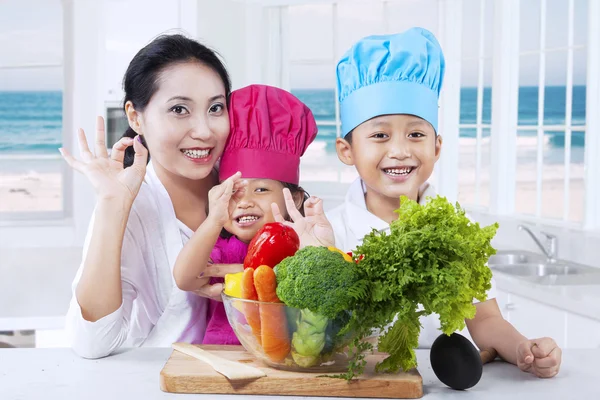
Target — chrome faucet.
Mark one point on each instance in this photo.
(550, 249)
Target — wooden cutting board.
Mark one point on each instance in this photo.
(185, 374)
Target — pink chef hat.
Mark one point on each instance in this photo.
(270, 131)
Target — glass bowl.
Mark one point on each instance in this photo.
(287, 338)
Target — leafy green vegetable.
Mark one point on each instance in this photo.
(433, 256)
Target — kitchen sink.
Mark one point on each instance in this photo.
(515, 257)
(538, 269)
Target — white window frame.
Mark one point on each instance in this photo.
(567, 127)
(331, 62)
(592, 134)
(504, 124)
(479, 125)
(8, 218)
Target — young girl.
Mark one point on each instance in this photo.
(270, 131)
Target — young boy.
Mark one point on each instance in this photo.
(388, 89)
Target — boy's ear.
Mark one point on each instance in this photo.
(344, 151)
(438, 147)
(133, 117)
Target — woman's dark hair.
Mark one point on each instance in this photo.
(141, 78)
(294, 189)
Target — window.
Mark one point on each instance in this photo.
(550, 125)
(312, 80)
(31, 82)
(475, 104)
(551, 113)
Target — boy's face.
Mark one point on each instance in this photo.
(394, 154)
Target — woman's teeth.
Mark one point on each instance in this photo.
(398, 171)
(196, 153)
(247, 218)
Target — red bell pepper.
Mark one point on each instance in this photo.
(359, 257)
(271, 245)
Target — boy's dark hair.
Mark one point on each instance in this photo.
(141, 78)
(348, 137)
(294, 189)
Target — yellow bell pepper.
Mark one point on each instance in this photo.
(346, 256)
(233, 285)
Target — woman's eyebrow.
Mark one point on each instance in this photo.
(219, 96)
(185, 98)
(181, 98)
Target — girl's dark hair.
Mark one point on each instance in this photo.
(141, 78)
(294, 189)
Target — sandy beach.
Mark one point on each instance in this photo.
(30, 192)
(39, 188)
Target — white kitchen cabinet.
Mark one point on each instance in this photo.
(582, 332)
(502, 300)
(534, 319)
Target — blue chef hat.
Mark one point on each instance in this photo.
(391, 74)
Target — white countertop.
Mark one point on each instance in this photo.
(58, 374)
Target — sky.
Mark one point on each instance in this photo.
(31, 34)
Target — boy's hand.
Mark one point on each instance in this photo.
(220, 205)
(314, 229)
(541, 357)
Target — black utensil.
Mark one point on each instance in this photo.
(456, 362)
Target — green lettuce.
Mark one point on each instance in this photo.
(433, 256)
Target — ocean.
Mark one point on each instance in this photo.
(31, 122)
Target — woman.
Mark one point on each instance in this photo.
(176, 103)
(124, 294)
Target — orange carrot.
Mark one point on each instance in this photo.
(248, 289)
(251, 311)
(273, 322)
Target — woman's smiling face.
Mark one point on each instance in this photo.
(186, 123)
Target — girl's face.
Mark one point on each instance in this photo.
(186, 123)
(253, 210)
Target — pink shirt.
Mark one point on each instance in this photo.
(218, 330)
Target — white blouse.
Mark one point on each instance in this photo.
(154, 312)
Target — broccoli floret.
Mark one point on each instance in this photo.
(319, 280)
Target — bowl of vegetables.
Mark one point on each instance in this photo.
(316, 308)
(286, 337)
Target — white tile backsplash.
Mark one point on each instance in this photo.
(574, 245)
